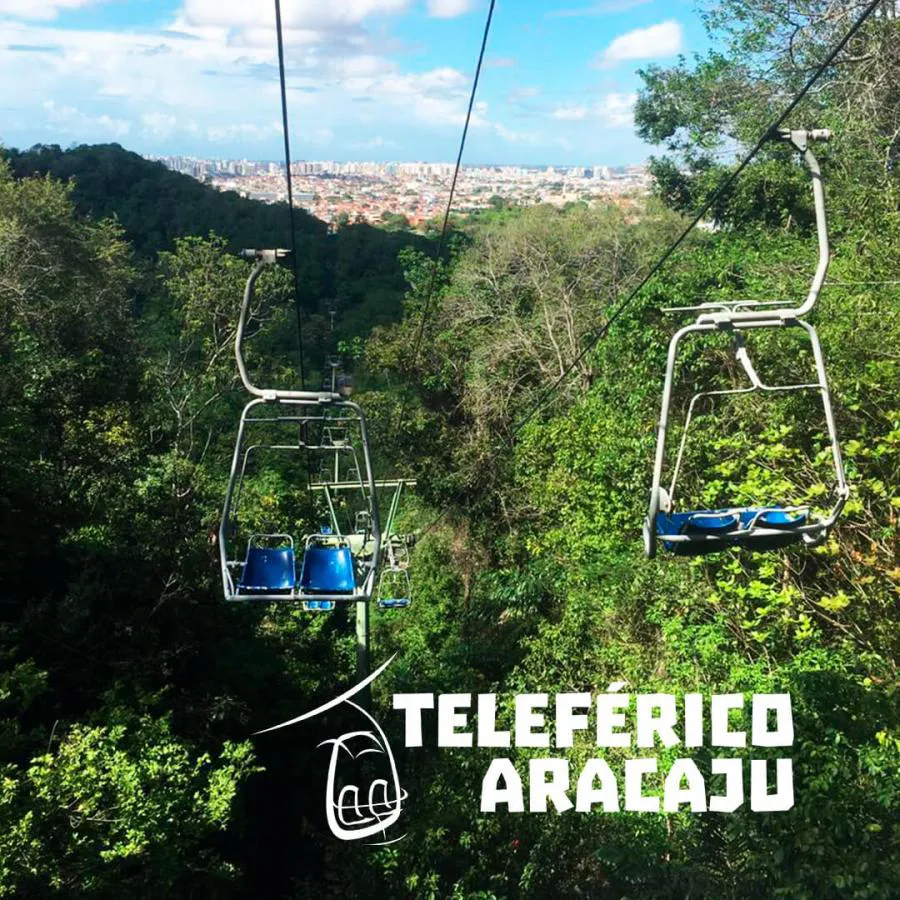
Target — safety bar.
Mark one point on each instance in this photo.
(266, 258)
(725, 305)
(659, 498)
(800, 141)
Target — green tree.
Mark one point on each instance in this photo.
(512, 317)
(97, 816)
(725, 99)
(394, 221)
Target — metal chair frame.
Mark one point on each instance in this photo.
(294, 407)
(736, 317)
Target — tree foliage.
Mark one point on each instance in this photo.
(766, 51)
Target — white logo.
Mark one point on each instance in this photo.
(354, 814)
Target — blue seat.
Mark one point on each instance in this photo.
(717, 529)
(394, 588)
(319, 605)
(782, 519)
(394, 603)
(716, 523)
(268, 571)
(327, 570)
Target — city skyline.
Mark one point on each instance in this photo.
(412, 193)
(224, 161)
(377, 80)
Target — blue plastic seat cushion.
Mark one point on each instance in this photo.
(780, 518)
(711, 523)
(327, 570)
(722, 521)
(319, 605)
(268, 570)
(712, 530)
(717, 521)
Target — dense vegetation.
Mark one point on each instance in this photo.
(155, 205)
(128, 690)
(357, 266)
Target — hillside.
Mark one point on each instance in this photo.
(358, 265)
(156, 205)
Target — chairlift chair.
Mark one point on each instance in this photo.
(328, 572)
(399, 549)
(766, 526)
(394, 588)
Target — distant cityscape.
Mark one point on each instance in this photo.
(340, 192)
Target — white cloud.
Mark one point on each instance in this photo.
(654, 42)
(70, 120)
(117, 127)
(128, 74)
(440, 79)
(367, 64)
(264, 36)
(524, 93)
(243, 131)
(41, 9)
(570, 113)
(500, 62)
(208, 84)
(448, 9)
(295, 14)
(597, 9)
(318, 136)
(159, 125)
(616, 110)
(436, 97)
(516, 137)
(439, 111)
(375, 143)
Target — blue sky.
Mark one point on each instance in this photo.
(368, 79)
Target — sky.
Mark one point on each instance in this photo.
(367, 79)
